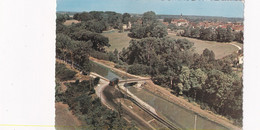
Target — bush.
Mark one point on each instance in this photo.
(99, 55)
(63, 73)
(138, 69)
(96, 80)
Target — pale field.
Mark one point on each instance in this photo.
(69, 22)
(117, 40)
(220, 49)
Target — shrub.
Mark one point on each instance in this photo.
(138, 69)
(63, 73)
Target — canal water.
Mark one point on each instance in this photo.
(104, 71)
(176, 114)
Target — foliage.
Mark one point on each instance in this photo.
(212, 34)
(63, 73)
(239, 37)
(61, 18)
(79, 97)
(98, 41)
(172, 63)
(138, 69)
(150, 27)
(74, 51)
(167, 20)
(126, 18)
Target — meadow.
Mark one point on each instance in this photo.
(120, 40)
(117, 40)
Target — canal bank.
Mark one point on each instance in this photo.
(184, 113)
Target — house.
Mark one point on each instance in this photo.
(180, 22)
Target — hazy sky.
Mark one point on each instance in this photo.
(174, 7)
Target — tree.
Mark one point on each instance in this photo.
(149, 17)
(208, 54)
(138, 31)
(85, 16)
(95, 26)
(98, 40)
(150, 27)
(184, 44)
(160, 30)
(195, 33)
(198, 78)
(126, 18)
(229, 35)
(61, 18)
(207, 34)
(239, 36)
(184, 78)
(114, 19)
(172, 26)
(167, 20)
(97, 15)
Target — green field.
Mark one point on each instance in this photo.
(121, 40)
(220, 49)
(117, 40)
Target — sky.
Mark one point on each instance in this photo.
(170, 7)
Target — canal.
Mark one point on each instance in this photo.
(172, 112)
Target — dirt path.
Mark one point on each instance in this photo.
(221, 49)
(236, 46)
(180, 101)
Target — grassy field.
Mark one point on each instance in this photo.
(117, 40)
(64, 119)
(220, 49)
(69, 22)
(120, 40)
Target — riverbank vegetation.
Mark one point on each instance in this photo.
(84, 104)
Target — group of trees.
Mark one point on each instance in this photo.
(170, 62)
(149, 27)
(75, 43)
(200, 77)
(76, 52)
(213, 34)
(103, 20)
(88, 108)
(63, 73)
(61, 18)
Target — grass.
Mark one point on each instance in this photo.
(117, 40)
(64, 119)
(69, 22)
(180, 116)
(220, 49)
(121, 40)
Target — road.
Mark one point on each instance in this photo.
(109, 94)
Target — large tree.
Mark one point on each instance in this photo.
(150, 27)
(98, 41)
